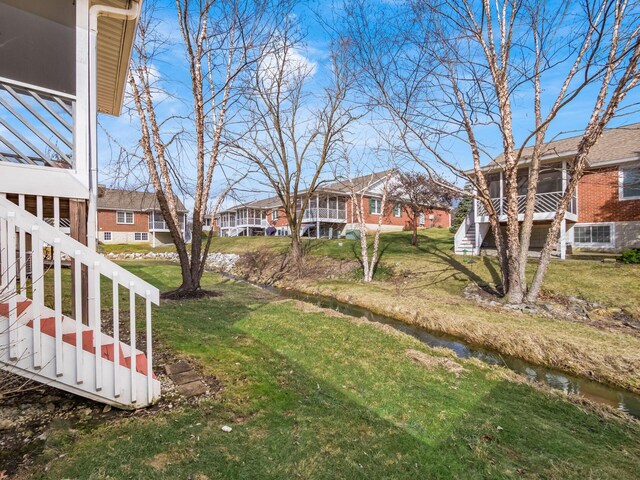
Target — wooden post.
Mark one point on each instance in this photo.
(78, 219)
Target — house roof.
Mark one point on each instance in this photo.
(339, 187)
(360, 183)
(114, 44)
(616, 145)
(114, 199)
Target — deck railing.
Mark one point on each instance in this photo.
(37, 125)
(324, 213)
(545, 203)
(16, 260)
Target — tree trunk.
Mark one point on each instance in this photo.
(414, 233)
(296, 254)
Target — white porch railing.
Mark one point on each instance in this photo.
(70, 351)
(545, 203)
(37, 125)
(324, 213)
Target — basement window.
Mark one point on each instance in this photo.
(597, 234)
(106, 236)
(141, 236)
(124, 217)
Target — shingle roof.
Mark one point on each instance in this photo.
(113, 199)
(621, 143)
(342, 186)
(360, 183)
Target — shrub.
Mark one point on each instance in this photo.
(631, 256)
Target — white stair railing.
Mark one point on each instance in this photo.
(15, 223)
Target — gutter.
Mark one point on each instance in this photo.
(131, 13)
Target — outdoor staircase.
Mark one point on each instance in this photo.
(467, 243)
(46, 342)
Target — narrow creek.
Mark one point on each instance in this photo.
(597, 392)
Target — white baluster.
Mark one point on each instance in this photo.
(57, 304)
(11, 284)
(97, 314)
(149, 347)
(56, 212)
(37, 293)
(3, 253)
(116, 336)
(132, 330)
(22, 242)
(77, 301)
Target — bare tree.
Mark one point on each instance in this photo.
(292, 135)
(222, 42)
(418, 194)
(452, 71)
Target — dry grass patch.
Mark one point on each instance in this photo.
(430, 362)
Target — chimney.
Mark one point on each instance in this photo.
(101, 191)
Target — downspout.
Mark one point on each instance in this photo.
(96, 11)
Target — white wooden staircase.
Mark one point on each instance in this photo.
(44, 341)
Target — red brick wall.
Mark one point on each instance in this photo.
(107, 222)
(280, 221)
(441, 217)
(598, 198)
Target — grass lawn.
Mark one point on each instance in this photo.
(314, 396)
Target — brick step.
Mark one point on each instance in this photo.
(107, 350)
(20, 306)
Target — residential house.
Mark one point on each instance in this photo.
(604, 215)
(330, 213)
(62, 62)
(129, 216)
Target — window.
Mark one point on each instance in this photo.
(106, 236)
(207, 221)
(374, 206)
(630, 183)
(124, 217)
(141, 236)
(421, 221)
(596, 234)
(274, 214)
(550, 178)
(397, 210)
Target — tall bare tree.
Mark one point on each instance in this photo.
(292, 135)
(453, 70)
(222, 43)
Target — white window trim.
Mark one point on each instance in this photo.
(133, 218)
(141, 236)
(399, 210)
(378, 206)
(621, 170)
(612, 235)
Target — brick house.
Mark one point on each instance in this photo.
(128, 216)
(604, 215)
(330, 213)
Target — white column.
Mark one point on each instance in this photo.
(501, 193)
(563, 239)
(317, 216)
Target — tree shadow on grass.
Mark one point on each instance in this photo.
(303, 408)
(460, 267)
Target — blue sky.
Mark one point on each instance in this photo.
(172, 69)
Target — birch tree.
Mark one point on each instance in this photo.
(221, 42)
(452, 71)
(292, 134)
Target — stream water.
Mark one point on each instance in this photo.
(621, 399)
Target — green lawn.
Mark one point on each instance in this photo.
(314, 396)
